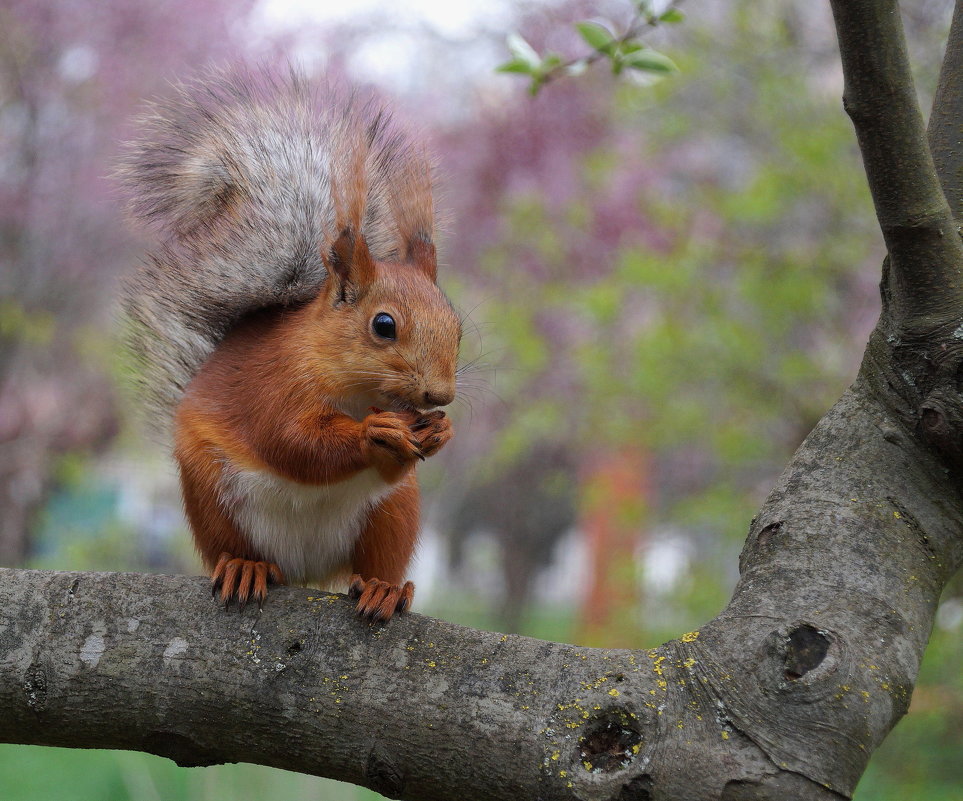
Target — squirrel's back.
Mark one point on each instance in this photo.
(243, 177)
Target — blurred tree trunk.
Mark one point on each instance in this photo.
(528, 507)
(784, 695)
(615, 492)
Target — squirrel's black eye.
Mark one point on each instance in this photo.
(384, 326)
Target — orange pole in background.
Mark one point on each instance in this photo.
(615, 497)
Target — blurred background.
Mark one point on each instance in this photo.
(666, 283)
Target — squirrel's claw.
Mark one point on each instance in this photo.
(379, 600)
(243, 579)
(432, 431)
(429, 419)
(390, 432)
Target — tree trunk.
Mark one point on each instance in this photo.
(784, 695)
(616, 496)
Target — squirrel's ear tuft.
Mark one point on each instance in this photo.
(349, 264)
(413, 209)
(421, 253)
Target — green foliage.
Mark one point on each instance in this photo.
(625, 51)
(720, 338)
(78, 526)
(730, 340)
(644, 60)
(82, 527)
(597, 36)
(32, 773)
(526, 61)
(35, 327)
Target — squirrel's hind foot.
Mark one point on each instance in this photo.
(379, 600)
(243, 579)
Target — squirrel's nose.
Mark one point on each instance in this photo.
(439, 397)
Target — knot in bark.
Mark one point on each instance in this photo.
(941, 424)
(806, 648)
(610, 743)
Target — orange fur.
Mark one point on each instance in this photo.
(387, 541)
(383, 552)
(299, 393)
(290, 219)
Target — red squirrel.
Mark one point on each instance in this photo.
(291, 331)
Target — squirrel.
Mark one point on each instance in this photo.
(290, 330)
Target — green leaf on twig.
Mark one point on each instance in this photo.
(522, 50)
(672, 15)
(649, 61)
(515, 65)
(596, 36)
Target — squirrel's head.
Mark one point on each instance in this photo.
(395, 334)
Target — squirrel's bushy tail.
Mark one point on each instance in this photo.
(246, 178)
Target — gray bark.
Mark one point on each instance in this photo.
(944, 130)
(784, 695)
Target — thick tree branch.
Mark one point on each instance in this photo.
(944, 129)
(914, 361)
(925, 283)
(784, 695)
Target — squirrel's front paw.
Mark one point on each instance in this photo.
(432, 431)
(389, 434)
(243, 579)
(378, 600)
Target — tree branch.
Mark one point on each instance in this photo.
(925, 284)
(785, 694)
(945, 136)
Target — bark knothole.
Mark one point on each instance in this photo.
(760, 540)
(768, 533)
(600, 740)
(611, 742)
(806, 649)
(804, 660)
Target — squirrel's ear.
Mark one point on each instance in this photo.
(421, 253)
(349, 265)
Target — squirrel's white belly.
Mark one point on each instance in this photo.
(308, 530)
